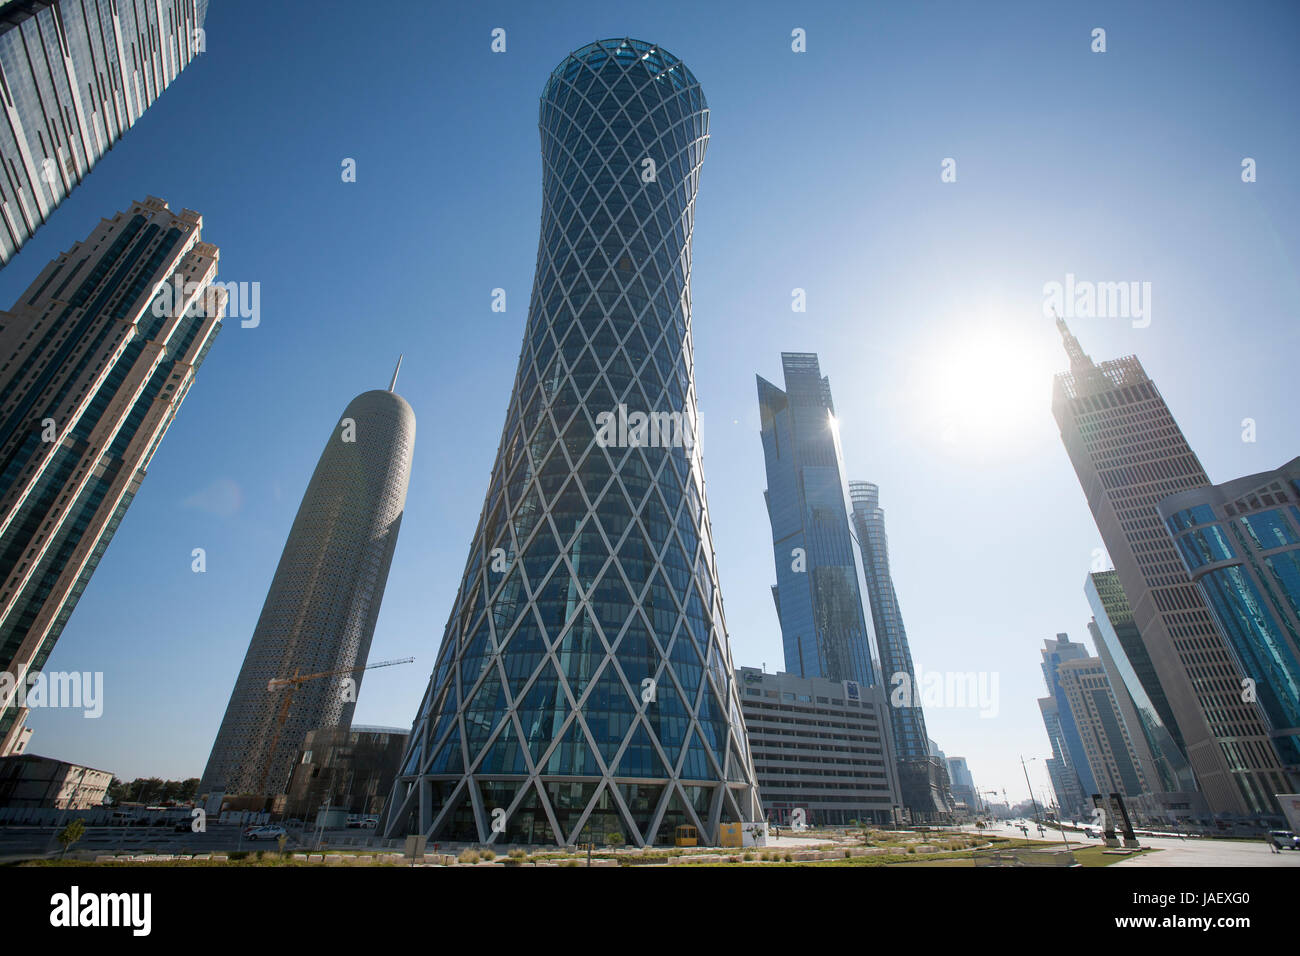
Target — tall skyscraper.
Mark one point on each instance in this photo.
(819, 584)
(1129, 455)
(1068, 766)
(584, 685)
(75, 76)
(320, 613)
(921, 783)
(1240, 543)
(95, 360)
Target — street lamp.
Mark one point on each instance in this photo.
(1032, 798)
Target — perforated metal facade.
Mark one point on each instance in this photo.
(320, 612)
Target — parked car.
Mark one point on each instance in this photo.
(272, 832)
(1284, 839)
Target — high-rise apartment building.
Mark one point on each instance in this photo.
(1129, 455)
(918, 773)
(95, 359)
(819, 589)
(1240, 543)
(319, 615)
(1068, 766)
(1107, 747)
(1065, 782)
(75, 75)
(821, 746)
(584, 686)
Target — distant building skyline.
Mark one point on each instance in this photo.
(320, 611)
(97, 358)
(74, 77)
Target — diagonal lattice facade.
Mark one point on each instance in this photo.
(584, 684)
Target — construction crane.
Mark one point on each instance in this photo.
(292, 683)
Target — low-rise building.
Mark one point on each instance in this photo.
(819, 745)
(34, 782)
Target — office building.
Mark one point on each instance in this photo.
(1240, 544)
(819, 589)
(95, 359)
(319, 615)
(75, 75)
(584, 687)
(821, 746)
(919, 776)
(1129, 455)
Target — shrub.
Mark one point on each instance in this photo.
(748, 855)
(517, 854)
(847, 854)
(789, 858)
(488, 855)
(468, 856)
(70, 834)
(237, 855)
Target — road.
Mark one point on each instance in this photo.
(20, 842)
(1177, 852)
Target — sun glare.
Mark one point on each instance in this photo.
(985, 387)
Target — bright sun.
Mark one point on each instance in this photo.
(985, 387)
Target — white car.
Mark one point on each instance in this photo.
(273, 832)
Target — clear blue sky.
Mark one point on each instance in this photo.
(924, 302)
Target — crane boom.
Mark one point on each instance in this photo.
(292, 684)
(300, 678)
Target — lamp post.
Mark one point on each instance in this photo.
(1032, 798)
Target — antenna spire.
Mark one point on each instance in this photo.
(1078, 358)
(393, 384)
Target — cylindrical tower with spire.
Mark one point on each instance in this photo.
(320, 613)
